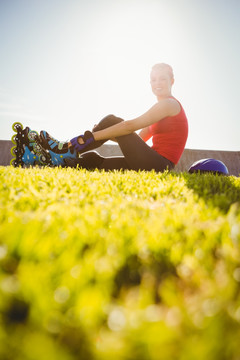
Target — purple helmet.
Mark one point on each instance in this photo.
(209, 165)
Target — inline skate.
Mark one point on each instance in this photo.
(27, 149)
(59, 151)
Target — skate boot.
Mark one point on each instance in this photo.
(27, 149)
(58, 151)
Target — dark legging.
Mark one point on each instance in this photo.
(137, 154)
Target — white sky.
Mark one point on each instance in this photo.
(65, 64)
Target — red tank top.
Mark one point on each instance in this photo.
(169, 136)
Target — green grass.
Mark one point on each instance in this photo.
(119, 265)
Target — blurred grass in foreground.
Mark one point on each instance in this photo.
(119, 265)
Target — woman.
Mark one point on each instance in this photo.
(165, 122)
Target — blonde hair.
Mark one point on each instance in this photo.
(164, 67)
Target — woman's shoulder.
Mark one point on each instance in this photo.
(173, 105)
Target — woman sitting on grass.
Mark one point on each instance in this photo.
(165, 122)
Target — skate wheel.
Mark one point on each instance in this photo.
(32, 135)
(14, 151)
(37, 148)
(43, 159)
(17, 126)
(13, 162)
(13, 139)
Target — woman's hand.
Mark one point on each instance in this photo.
(81, 143)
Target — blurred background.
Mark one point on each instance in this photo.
(65, 64)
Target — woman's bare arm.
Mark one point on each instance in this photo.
(162, 109)
(145, 134)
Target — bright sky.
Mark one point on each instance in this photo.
(65, 64)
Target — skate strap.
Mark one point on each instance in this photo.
(53, 144)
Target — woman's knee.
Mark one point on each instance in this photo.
(107, 121)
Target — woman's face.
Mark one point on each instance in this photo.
(161, 83)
